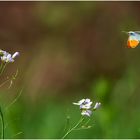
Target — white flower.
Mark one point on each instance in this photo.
(80, 102)
(7, 57)
(86, 113)
(97, 105)
(2, 53)
(84, 104)
(86, 108)
(15, 55)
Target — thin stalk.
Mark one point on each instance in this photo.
(2, 126)
(67, 123)
(4, 82)
(87, 121)
(3, 68)
(73, 128)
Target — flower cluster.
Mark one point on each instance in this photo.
(86, 107)
(7, 57)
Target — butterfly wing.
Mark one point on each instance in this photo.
(133, 41)
(137, 34)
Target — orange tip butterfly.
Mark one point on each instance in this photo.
(133, 39)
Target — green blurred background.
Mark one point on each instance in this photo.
(69, 51)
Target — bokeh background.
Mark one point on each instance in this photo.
(69, 51)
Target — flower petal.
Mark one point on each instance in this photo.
(87, 100)
(87, 106)
(76, 103)
(15, 55)
(80, 102)
(97, 105)
(86, 113)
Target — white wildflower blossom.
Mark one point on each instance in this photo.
(7, 57)
(84, 104)
(86, 107)
(86, 113)
(80, 102)
(15, 55)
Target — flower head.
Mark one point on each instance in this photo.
(84, 104)
(7, 57)
(86, 107)
(86, 113)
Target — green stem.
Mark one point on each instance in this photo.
(87, 121)
(2, 121)
(2, 69)
(1, 66)
(69, 131)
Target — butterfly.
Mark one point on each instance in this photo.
(133, 39)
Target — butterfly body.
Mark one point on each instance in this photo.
(133, 39)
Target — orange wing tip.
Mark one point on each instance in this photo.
(132, 43)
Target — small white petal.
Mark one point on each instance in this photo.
(82, 101)
(97, 105)
(3, 58)
(87, 100)
(10, 59)
(87, 106)
(5, 53)
(86, 113)
(8, 56)
(15, 55)
(76, 103)
(90, 103)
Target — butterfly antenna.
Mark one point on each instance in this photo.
(137, 32)
(125, 32)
